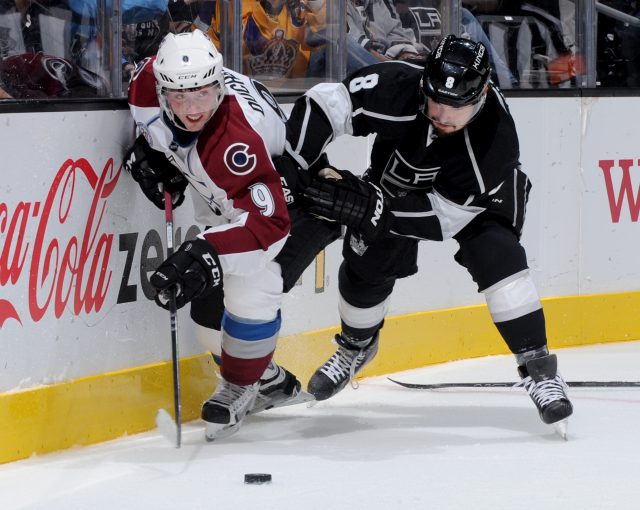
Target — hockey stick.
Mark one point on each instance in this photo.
(573, 384)
(163, 420)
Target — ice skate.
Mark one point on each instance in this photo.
(341, 367)
(226, 408)
(282, 389)
(547, 389)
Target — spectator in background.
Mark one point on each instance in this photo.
(278, 36)
(20, 24)
(472, 29)
(11, 39)
(357, 55)
(631, 43)
(544, 54)
(376, 27)
(144, 26)
(40, 76)
(618, 60)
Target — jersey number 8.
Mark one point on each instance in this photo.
(363, 82)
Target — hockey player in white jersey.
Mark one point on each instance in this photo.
(444, 164)
(222, 133)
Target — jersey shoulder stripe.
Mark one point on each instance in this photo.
(142, 89)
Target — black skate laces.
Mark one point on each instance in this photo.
(545, 392)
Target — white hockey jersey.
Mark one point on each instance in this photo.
(228, 164)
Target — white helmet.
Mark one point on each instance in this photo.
(186, 61)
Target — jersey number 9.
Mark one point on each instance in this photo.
(263, 199)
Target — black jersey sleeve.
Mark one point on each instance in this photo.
(382, 99)
(309, 131)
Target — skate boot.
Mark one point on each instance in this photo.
(226, 408)
(342, 366)
(547, 389)
(281, 389)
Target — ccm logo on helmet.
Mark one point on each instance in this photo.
(238, 160)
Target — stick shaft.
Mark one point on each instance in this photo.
(173, 312)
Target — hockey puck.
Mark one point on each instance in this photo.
(257, 478)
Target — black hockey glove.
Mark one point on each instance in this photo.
(341, 196)
(154, 173)
(192, 270)
(293, 179)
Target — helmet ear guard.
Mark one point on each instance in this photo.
(456, 72)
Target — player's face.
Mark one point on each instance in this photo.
(449, 119)
(194, 107)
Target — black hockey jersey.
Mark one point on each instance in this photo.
(436, 184)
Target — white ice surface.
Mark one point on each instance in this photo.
(380, 447)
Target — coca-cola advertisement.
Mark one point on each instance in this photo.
(77, 245)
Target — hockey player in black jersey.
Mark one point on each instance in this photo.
(444, 165)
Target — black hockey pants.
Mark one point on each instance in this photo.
(489, 249)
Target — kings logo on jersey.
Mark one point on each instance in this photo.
(399, 176)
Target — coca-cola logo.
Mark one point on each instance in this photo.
(65, 267)
(60, 253)
(624, 191)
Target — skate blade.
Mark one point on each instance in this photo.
(300, 398)
(561, 428)
(215, 431)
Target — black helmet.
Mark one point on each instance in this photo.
(456, 72)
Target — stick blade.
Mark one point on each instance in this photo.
(167, 427)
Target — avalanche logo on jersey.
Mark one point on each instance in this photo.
(238, 160)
